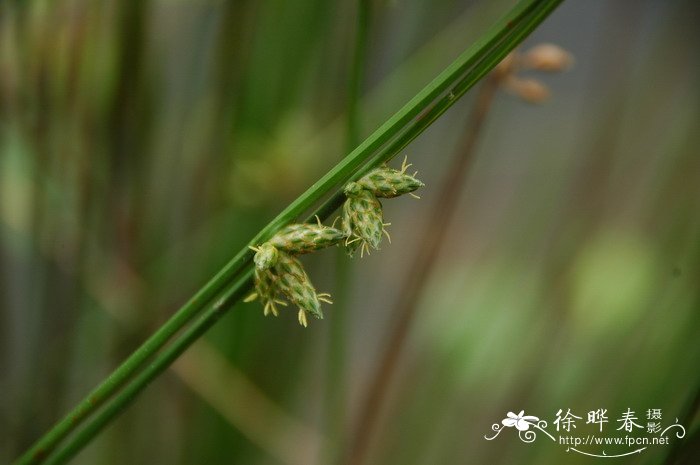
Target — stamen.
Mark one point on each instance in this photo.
(302, 318)
(387, 235)
(405, 165)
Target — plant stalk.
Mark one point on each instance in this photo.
(397, 132)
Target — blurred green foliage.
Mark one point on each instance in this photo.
(143, 142)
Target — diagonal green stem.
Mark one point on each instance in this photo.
(398, 131)
(484, 63)
(47, 443)
(159, 364)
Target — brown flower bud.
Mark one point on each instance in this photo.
(547, 57)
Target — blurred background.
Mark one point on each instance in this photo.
(143, 143)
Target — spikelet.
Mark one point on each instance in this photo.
(363, 221)
(278, 273)
(288, 265)
(388, 183)
(287, 278)
(304, 238)
(291, 280)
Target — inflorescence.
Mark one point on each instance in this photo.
(279, 275)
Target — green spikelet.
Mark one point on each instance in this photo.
(288, 265)
(387, 182)
(304, 238)
(292, 281)
(277, 272)
(288, 279)
(362, 219)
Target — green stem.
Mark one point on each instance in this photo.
(399, 131)
(159, 364)
(497, 50)
(118, 377)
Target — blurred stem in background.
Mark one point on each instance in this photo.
(357, 72)
(336, 386)
(403, 313)
(227, 286)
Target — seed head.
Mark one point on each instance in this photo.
(304, 238)
(292, 281)
(287, 279)
(387, 182)
(362, 221)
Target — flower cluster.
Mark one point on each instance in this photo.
(363, 219)
(279, 275)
